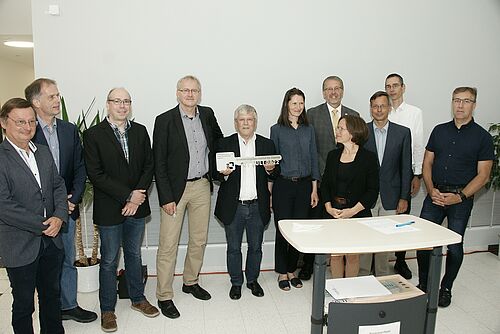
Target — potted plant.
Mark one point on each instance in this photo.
(88, 267)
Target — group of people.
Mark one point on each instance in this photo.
(334, 165)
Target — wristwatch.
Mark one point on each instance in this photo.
(462, 196)
(419, 176)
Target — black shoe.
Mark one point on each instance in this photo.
(400, 267)
(256, 289)
(197, 291)
(235, 292)
(168, 309)
(305, 274)
(79, 315)
(444, 297)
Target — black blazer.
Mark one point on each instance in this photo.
(112, 177)
(229, 191)
(363, 187)
(171, 152)
(72, 166)
(395, 173)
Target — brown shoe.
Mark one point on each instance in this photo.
(146, 308)
(108, 322)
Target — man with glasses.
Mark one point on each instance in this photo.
(457, 164)
(410, 116)
(63, 141)
(34, 207)
(324, 119)
(184, 150)
(391, 142)
(119, 164)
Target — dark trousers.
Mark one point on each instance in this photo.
(458, 217)
(247, 218)
(44, 275)
(291, 200)
(314, 213)
(401, 255)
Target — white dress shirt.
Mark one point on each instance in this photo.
(411, 117)
(248, 186)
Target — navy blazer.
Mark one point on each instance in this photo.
(229, 191)
(112, 176)
(72, 166)
(364, 185)
(171, 152)
(395, 172)
(23, 202)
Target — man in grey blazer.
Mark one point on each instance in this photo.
(392, 144)
(324, 118)
(34, 207)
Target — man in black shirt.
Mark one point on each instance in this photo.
(457, 163)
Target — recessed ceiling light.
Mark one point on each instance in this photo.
(19, 44)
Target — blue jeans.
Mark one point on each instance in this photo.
(246, 217)
(129, 235)
(458, 217)
(68, 273)
(43, 274)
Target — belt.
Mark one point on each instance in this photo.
(446, 188)
(297, 178)
(248, 202)
(198, 178)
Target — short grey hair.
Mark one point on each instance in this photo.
(245, 109)
(189, 77)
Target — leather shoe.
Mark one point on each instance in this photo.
(400, 267)
(168, 309)
(197, 291)
(235, 292)
(256, 289)
(79, 315)
(444, 297)
(305, 274)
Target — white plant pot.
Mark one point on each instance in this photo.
(88, 278)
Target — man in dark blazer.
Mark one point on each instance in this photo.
(243, 201)
(33, 208)
(392, 144)
(324, 118)
(119, 163)
(184, 150)
(63, 141)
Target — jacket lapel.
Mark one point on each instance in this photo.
(106, 127)
(12, 152)
(388, 144)
(180, 128)
(328, 121)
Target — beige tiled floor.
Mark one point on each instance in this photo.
(475, 306)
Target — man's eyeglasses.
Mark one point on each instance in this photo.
(22, 123)
(377, 107)
(464, 101)
(331, 89)
(118, 102)
(187, 91)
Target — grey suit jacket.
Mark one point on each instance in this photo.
(395, 173)
(321, 121)
(22, 204)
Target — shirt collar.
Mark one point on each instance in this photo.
(115, 127)
(31, 146)
(250, 141)
(401, 107)
(385, 127)
(330, 108)
(183, 113)
(44, 125)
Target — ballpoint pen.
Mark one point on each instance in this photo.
(405, 224)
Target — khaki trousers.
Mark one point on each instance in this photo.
(381, 266)
(196, 201)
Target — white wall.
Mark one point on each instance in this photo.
(14, 77)
(253, 51)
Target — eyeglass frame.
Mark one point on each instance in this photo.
(187, 91)
(22, 123)
(118, 102)
(460, 101)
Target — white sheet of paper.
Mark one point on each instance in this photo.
(388, 226)
(392, 328)
(353, 287)
(298, 227)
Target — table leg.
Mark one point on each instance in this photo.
(318, 297)
(433, 280)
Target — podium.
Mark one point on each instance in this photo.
(341, 236)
